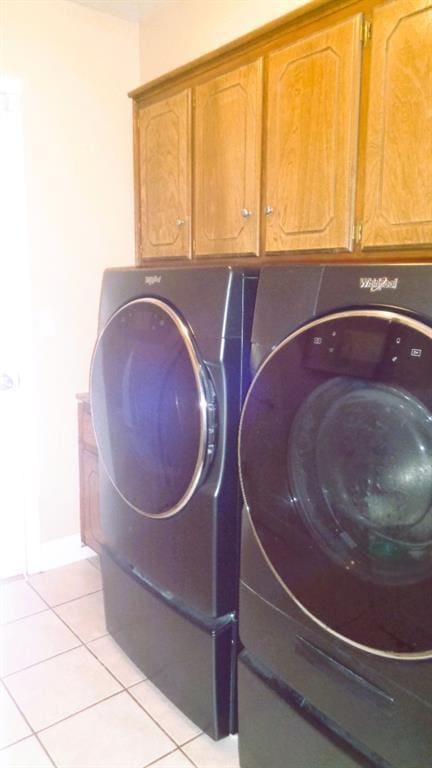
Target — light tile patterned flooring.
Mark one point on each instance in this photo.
(70, 698)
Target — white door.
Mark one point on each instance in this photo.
(14, 330)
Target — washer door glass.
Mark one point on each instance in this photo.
(336, 468)
(148, 399)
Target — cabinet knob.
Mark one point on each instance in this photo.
(246, 213)
(180, 222)
(268, 210)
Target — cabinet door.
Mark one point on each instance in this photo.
(313, 114)
(398, 191)
(91, 533)
(163, 190)
(227, 162)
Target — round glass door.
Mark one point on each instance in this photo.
(149, 404)
(336, 470)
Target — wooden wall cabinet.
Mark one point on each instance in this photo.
(227, 162)
(163, 177)
(91, 532)
(312, 134)
(398, 191)
(309, 139)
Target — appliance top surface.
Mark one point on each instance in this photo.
(210, 298)
(289, 296)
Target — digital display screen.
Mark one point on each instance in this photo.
(362, 346)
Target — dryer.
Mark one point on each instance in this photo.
(335, 452)
(168, 375)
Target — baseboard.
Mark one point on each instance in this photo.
(58, 552)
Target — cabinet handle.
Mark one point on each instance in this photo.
(246, 213)
(268, 210)
(180, 222)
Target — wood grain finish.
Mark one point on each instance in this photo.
(313, 113)
(227, 162)
(333, 159)
(91, 532)
(164, 177)
(398, 194)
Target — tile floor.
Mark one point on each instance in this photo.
(70, 698)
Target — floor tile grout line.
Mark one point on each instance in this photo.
(24, 618)
(192, 762)
(85, 643)
(189, 742)
(123, 687)
(155, 762)
(21, 713)
(74, 599)
(27, 616)
(152, 718)
(72, 714)
(46, 750)
(4, 678)
(179, 746)
(127, 689)
(48, 606)
(18, 741)
(78, 712)
(11, 580)
(90, 706)
(41, 730)
(90, 650)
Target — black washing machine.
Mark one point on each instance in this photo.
(335, 453)
(168, 376)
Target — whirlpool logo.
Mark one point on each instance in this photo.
(152, 279)
(373, 284)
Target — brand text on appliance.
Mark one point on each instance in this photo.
(378, 283)
(152, 279)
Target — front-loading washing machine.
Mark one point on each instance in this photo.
(168, 375)
(335, 451)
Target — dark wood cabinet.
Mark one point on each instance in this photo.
(310, 139)
(227, 162)
(163, 178)
(91, 533)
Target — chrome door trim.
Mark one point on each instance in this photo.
(200, 381)
(377, 313)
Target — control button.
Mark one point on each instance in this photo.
(416, 352)
(398, 340)
(394, 358)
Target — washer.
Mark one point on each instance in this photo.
(335, 452)
(168, 375)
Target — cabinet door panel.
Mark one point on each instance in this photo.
(164, 172)
(91, 532)
(398, 192)
(313, 112)
(227, 162)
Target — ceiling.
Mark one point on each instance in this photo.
(131, 10)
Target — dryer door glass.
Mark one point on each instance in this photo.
(336, 467)
(149, 407)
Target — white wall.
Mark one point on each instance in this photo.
(186, 29)
(77, 66)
